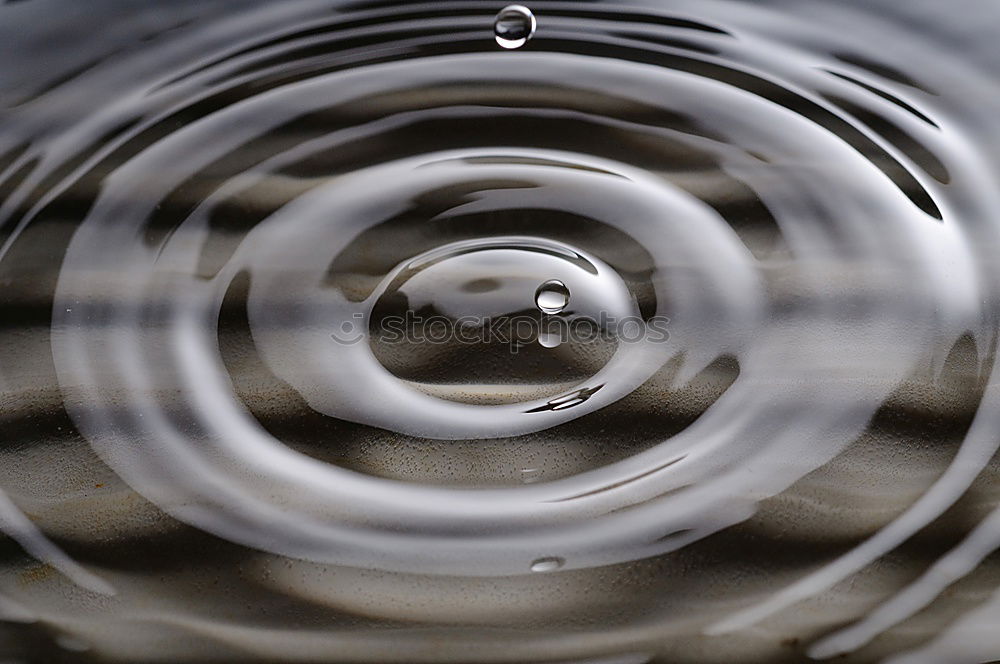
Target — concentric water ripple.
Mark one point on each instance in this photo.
(780, 220)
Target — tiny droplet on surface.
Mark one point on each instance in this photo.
(549, 339)
(552, 296)
(514, 26)
(549, 564)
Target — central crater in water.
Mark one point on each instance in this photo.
(491, 321)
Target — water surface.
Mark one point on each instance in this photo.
(395, 332)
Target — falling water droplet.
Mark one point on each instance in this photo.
(514, 26)
(549, 564)
(552, 296)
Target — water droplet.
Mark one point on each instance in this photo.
(514, 26)
(552, 296)
(549, 339)
(549, 564)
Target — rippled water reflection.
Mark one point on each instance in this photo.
(293, 366)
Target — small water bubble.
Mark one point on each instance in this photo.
(549, 339)
(514, 26)
(552, 296)
(548, 564)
